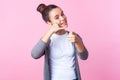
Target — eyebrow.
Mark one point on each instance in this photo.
(58, 15)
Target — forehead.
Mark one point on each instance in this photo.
(54, 12)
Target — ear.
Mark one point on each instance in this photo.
(49, 23)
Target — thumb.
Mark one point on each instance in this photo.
(72, 33)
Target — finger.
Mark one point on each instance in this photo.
(71, 40)
(60, 28)
(71, 36)
(73, 33)
(70, 32)
(55, 25)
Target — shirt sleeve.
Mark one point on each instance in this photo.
(83, 55)
(39, 49)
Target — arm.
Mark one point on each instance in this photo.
(80, 48)
(39, 48)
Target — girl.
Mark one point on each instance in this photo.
(59, 46)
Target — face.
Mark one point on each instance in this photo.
(57, 16)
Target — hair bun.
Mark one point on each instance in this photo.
(41, 8)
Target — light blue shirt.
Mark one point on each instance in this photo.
(62, 57)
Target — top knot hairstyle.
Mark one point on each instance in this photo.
(41, 8)
(44, 10)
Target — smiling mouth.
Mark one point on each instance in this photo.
(63, 23)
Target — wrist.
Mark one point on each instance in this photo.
(50, 32)
(47, 36)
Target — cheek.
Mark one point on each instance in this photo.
(55, 21)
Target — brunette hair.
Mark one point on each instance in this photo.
(44, 10)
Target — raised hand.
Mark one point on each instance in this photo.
(55, 27)
(72, 37)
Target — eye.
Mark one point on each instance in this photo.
(57, 17)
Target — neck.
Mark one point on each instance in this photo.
(60, 32)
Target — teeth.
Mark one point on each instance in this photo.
(63, 23)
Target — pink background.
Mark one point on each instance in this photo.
(96, 21)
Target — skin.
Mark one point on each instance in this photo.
(58, 23)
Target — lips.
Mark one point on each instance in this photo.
(63, 23)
